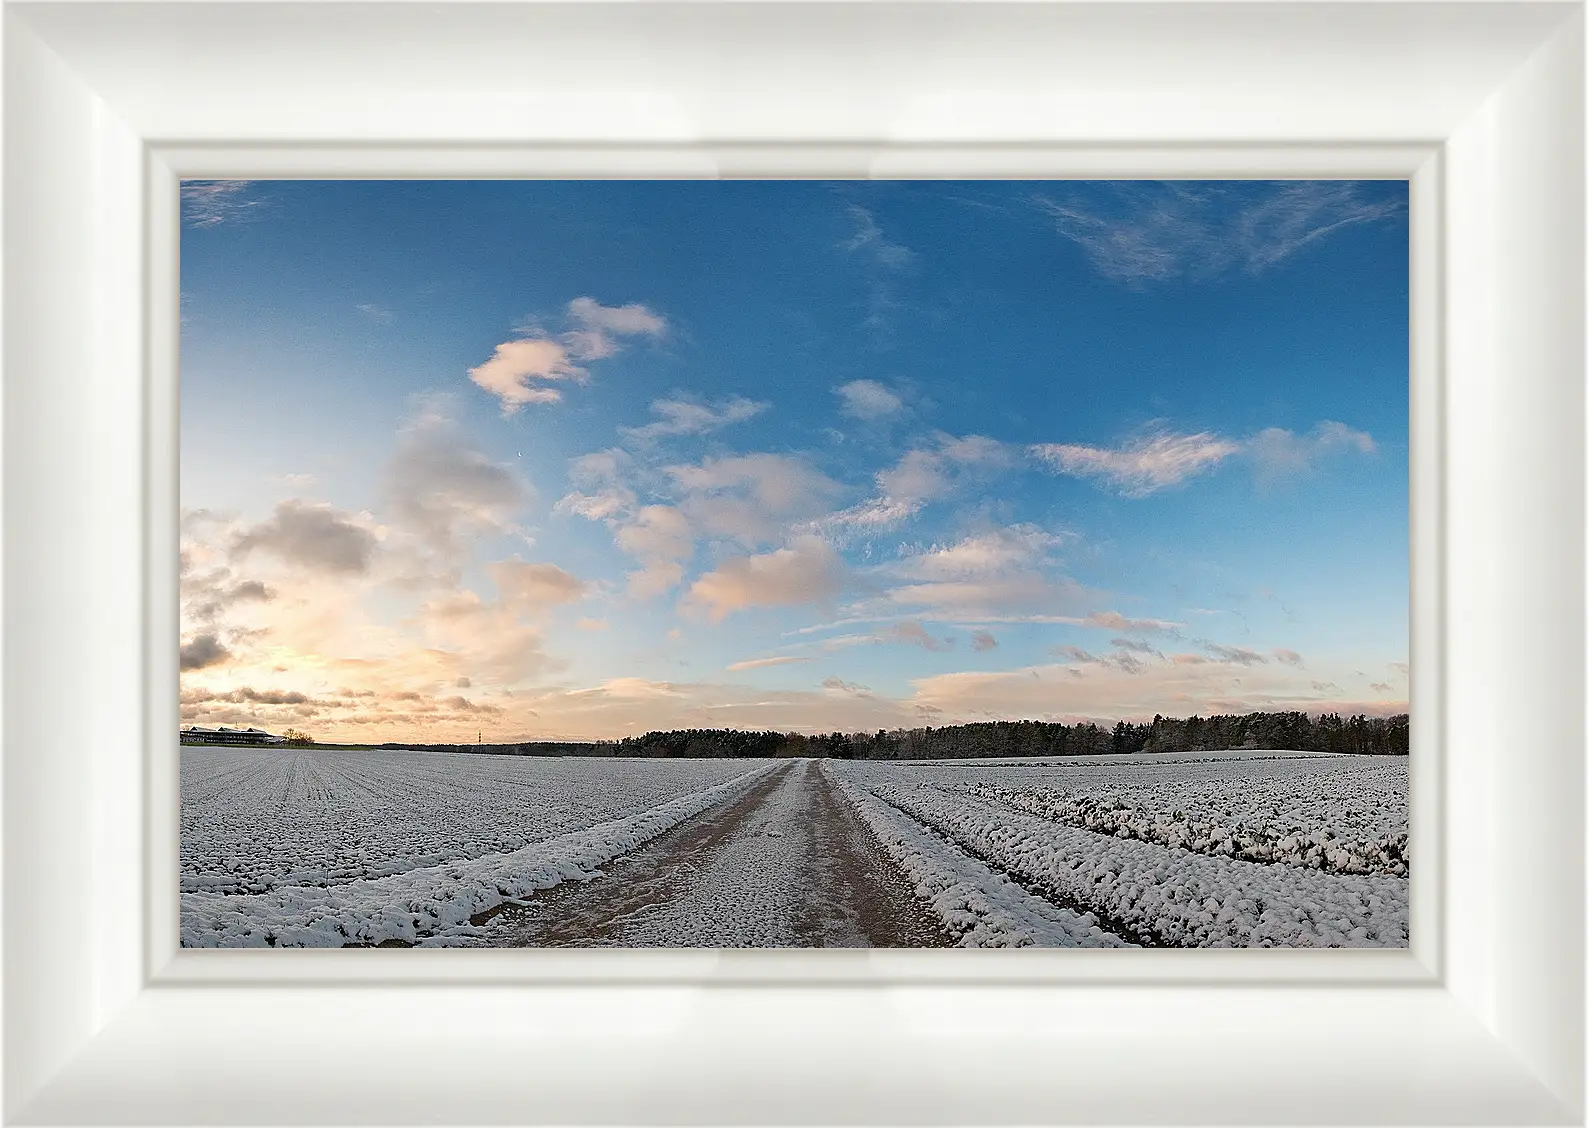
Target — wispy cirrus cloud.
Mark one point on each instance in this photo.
(210, 203)
(1142, 465)
(930, 471)
(1144, 232)
(684, 417)
(1158, 459)
(885, 262)
(764, 663)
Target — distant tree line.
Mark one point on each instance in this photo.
(1359, 735)
(1329, 732)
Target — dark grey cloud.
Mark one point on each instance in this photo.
(313, 536)
(201, 651)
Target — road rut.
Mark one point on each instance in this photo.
(787, 864)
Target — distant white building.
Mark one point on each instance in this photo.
(194, 734)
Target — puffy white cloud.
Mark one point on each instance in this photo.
(523, 370)
(1279, 454)
(632, 320)
(808, 571)
(867, 399)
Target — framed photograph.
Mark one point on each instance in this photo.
(704, 513)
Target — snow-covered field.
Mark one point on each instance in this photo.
(323, 847)
(1204, 850)
(319, 847)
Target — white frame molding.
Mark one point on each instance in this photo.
(108, 104)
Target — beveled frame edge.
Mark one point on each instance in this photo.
(1419, 164)
(1501, 1032)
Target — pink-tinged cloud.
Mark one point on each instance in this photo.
(660, 539)
(515, 366)
(765, 663)
(533, 588)
(1114, 621)
(912, 633)
(1111, 687)
(808, 571)
(1142, 466)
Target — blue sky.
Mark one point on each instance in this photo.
(579, 459)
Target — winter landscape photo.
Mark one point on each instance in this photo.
(716, 564)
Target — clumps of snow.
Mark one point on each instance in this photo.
(432, 905)
(1158, 894)
(979, 908)
(1206, 824)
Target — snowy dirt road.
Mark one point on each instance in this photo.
(787, 864)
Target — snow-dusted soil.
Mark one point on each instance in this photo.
(434, 901)
(327, 848)
(1167, 859)
(254, 819)
(787, 864)
(976, 904)
(1342, 814)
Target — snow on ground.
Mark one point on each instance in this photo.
(254, 819)
(1341, 814)
(435, 903)
(979, 907)
(1166, 870)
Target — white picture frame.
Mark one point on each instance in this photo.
(107, 105)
